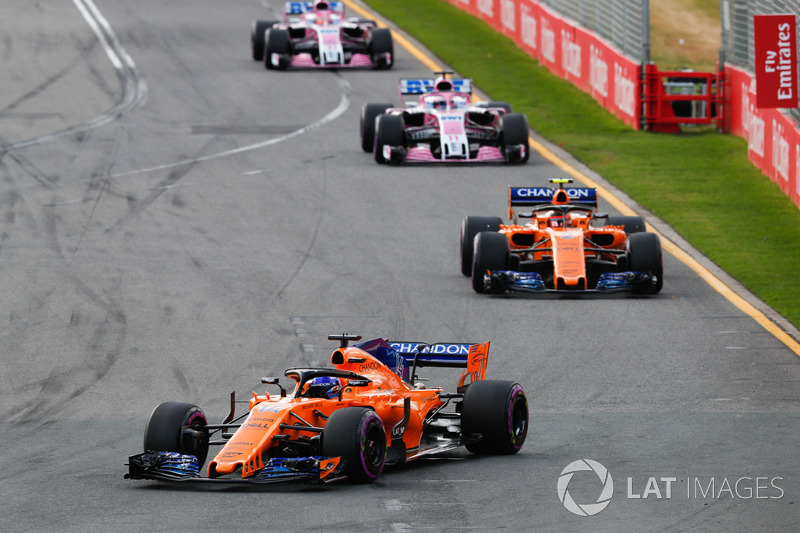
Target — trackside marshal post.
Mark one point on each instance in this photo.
(775, 47)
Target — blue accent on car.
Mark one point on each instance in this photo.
(283, 467)
(611, 281)
(298, 8)
(426, 85)
(544, 195)
(518, 281)
(176, 463)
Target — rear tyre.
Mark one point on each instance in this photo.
(644, 255)
(389, 130)
(491, 252)
(496, 414)
(504, 105)
(382, 48)
(370, 112)
(470, 227)
(277, 43)
(257, 40)
(513, 132)
(631, 224)
(177, 427)
(356, 434)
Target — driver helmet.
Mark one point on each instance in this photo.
(323, 387)
(321, 5)
(436, 102)
(459, 102)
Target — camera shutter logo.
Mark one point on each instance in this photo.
(586, 509)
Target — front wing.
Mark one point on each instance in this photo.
(532, 282)
(423, 154)
(171, 466)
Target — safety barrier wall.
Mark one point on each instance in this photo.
(568, 51)
(773, 138)
(614, 80)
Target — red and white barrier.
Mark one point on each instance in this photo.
(773, 138)
(568, 51)
(595, 66)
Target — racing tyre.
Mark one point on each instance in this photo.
(277, 43)
(470, 227)
(257, 40)
(356, 434)
(631, 224)
(514, 131)
(496, 414)
(644, 255)
(504, 105)
(177, 427)
(382, 48)
(370, 112)
(491, 252)
(389, 130)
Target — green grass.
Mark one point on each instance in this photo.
(699, 182)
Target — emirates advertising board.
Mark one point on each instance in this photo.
(775, 49)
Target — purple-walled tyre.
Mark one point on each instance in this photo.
(357, 435)
(494, 417)
(177, 427)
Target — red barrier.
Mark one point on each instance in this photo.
(672, 98)
(614, 80)
(773, 138)
(568, 51)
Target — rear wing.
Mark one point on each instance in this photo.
(471, 357)
(427, 85)
(533, 196)
(298, 8)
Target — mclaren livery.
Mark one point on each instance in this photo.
(369, 409)
(565, 246)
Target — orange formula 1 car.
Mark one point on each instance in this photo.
(346, 422)
(565, 247)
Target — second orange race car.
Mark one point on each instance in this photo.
(566, 247)
(368, 410)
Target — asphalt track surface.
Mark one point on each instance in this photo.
(178, 222)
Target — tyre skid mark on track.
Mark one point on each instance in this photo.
(344, 104)
(134, 87)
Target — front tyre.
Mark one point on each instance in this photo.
(369, 113)
(382, 48)
(277, 42)
(513, 133)
(177, 427)
(491, 252)
(389, 131)
(644, 255)
(494, 417)
(470, 227)
(257, 41)
(356, 434)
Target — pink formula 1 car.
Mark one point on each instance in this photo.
(317, 35)
(444, 125)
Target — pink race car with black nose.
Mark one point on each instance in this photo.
(444, 125)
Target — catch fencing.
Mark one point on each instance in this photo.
(603, 48)
(623, 23)
(737, 30)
